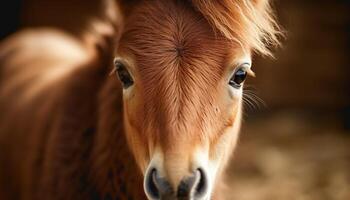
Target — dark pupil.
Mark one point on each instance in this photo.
(238, 78)
(124, 75)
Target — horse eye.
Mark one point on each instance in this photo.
(124, 75)
(238, 78)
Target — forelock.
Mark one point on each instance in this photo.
(250, 23)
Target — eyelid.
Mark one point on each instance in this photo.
(114, 69)
(247, 68)
(125, 63)
(119, 60)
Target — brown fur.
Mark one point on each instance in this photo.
(65, 155)
(62, 116)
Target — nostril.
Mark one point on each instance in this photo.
(151, 185)
(202, 184)
(157, 187)
(195, 185)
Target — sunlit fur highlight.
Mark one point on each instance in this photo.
(250, 23)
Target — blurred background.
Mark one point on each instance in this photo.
(295, 145)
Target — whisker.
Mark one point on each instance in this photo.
(256, 98)
(251, 100)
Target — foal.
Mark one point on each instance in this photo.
(163, 126)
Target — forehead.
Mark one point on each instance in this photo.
(163, 36)
(178, 59)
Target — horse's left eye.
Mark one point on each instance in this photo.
(124, 75)
(238, 78)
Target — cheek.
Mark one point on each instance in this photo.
(221, 151)
(133, 130)
(222, 148)
(215, 155)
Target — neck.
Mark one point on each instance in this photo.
(114, 168)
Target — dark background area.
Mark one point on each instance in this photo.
(298, 145)
(9, 17)
(311, 69)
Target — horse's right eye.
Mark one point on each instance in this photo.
(123, 75)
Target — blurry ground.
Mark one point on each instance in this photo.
(291, 156)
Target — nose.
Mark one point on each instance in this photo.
(193, 187)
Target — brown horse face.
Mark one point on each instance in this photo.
(182, 86)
